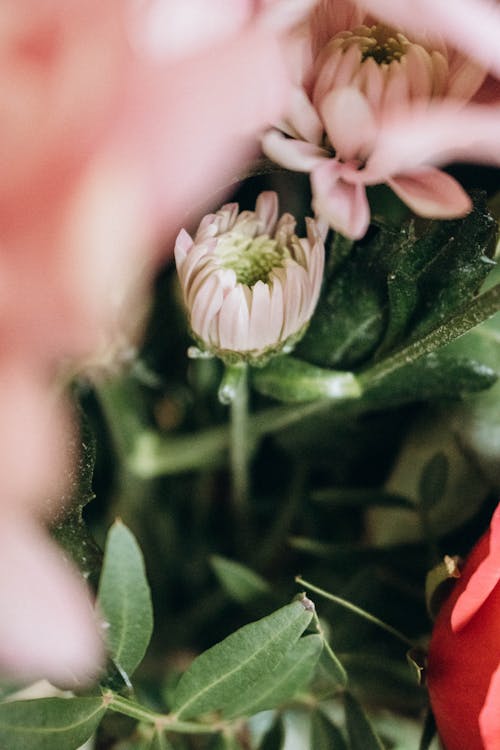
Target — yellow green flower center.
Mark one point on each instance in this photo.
(379, 42)
(384, 45)
(251, 258)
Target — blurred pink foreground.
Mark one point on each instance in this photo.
(116, 119)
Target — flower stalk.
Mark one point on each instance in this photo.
(234, 392)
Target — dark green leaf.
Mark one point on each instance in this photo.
(68, 526)
(228, 676)
(436, 375)
(324, 735)
(433, 480)
(362, 736)
(49, 723)
(350, 317)
(429, 731)
(124, 599)
(432, 277)
(241, 583)
(292, 380)
(456, 264)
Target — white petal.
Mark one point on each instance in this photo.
(206, 305)
(233, 321)
(258, 332)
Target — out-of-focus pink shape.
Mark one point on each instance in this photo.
(378, 105)
(47, 626)
(109, 135)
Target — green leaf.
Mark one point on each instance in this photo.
(350, 317)
(49, 723)
(241, 583)
(325, 735)
(456, 264)
(292, 380)
(435, 375)
(292, 674)
(431, 277)
(362, 736)
(433, 480)
(331, 666)
(124, 599)
(68, 526)
(229, 675)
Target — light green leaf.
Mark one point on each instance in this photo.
(231, 673)
(361, 733)
(49, 723)
(291, 675)
(124, 599)
(241, 583)
(331, 666)
(292, 380)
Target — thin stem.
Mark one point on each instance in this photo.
(356, 610)
(160, 721)
(234, 390)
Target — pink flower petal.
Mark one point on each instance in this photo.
(489, 718)
(432, 193)
(266, 211)
(302, 120)
(482, 582)
(440, 133)
(342, 204)
(349, 122)
(297, 156)
(470, 25)
(47, 628)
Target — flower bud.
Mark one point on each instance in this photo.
(249, 283)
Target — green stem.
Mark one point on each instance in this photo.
(356, 610)
(479, 310)
(160, 721)
(234, 390)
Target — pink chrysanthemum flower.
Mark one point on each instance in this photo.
(250, 284)
(359, 76)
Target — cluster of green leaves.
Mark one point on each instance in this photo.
(259, 668)
(364, 517)
(388, 306)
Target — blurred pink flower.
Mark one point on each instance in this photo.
(364, 85)
(109, 134)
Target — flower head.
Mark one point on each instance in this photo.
(362, 78)
(249, 283)
(464, 655)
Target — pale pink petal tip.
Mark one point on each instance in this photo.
(183, 244)
(482, 582)
(431, 193)
(489, 718)
(342, 204)
(48, 627)
(298, 156)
